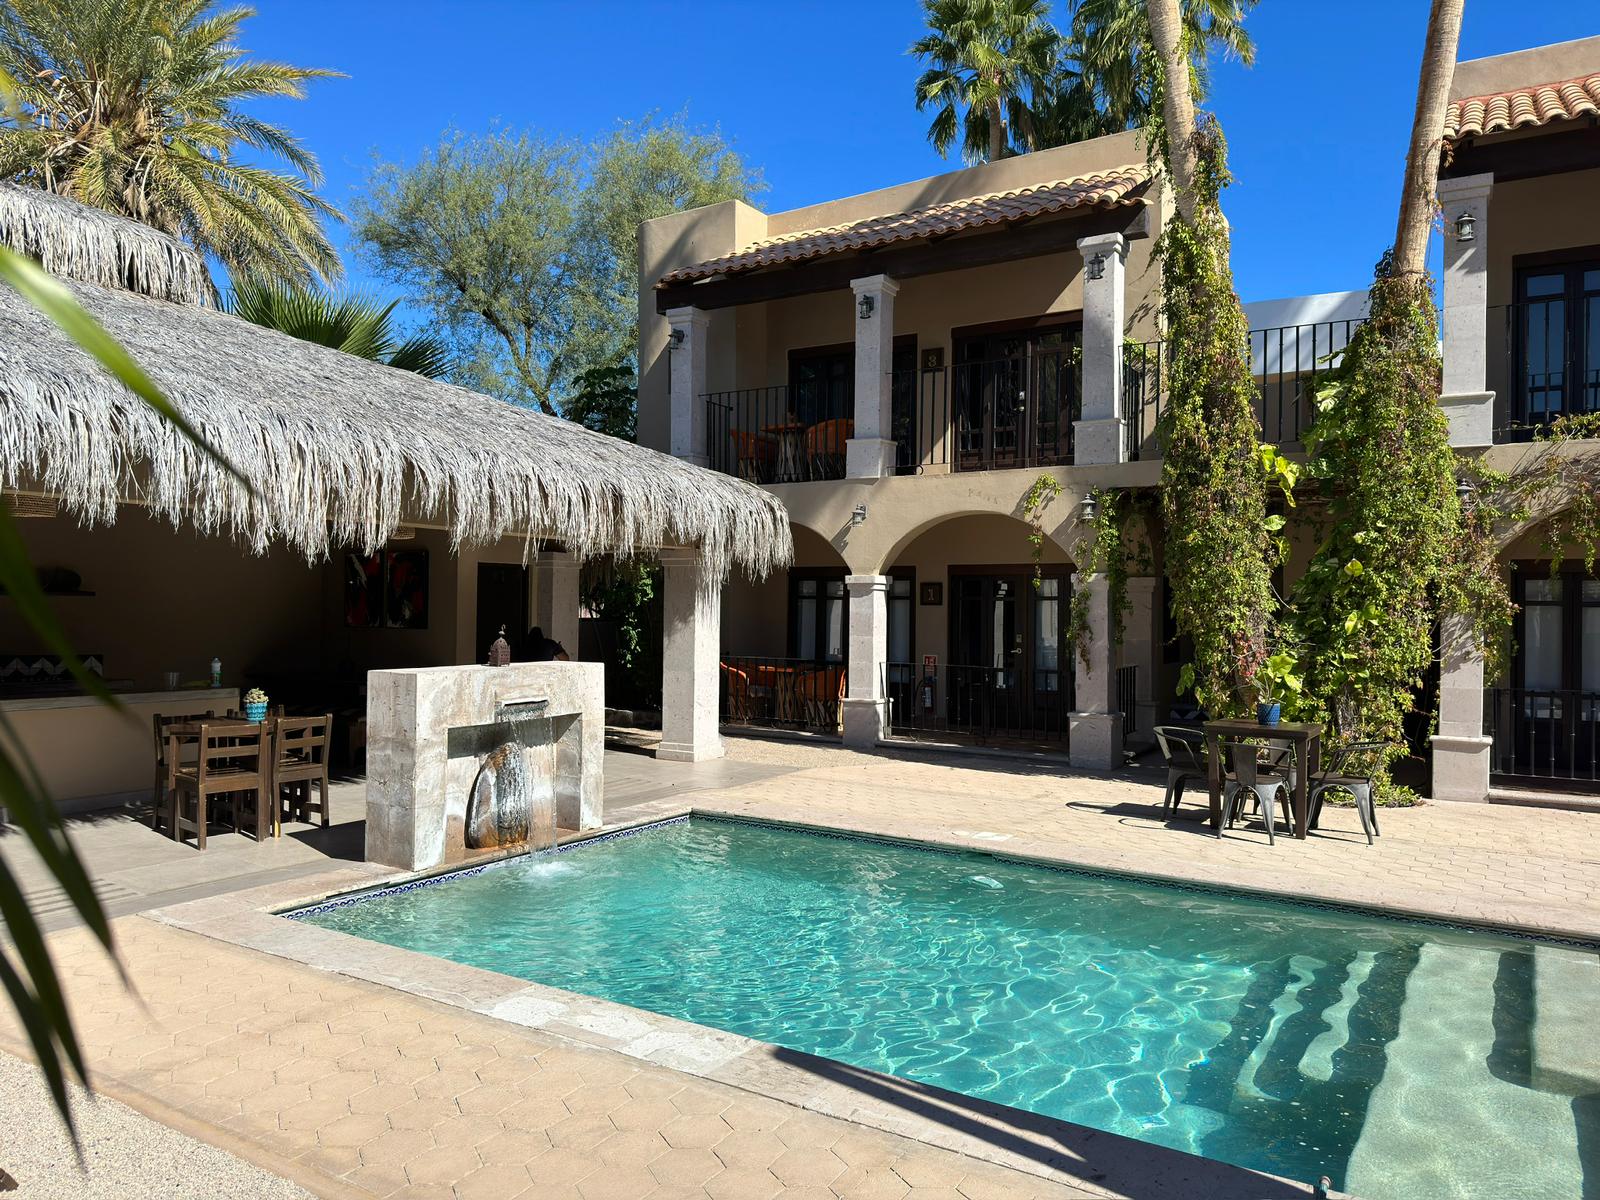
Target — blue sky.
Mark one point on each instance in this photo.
(819, 95)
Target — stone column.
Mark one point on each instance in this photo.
(1095, 727)
(1461, 750)
(688, 383)
(1466, 400)
(1141, 640)
(555, 599)
(866, 707)
(1098, 434)
(870, 454)
(691, 623)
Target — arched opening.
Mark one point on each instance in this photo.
(785, 642)
(977, 634)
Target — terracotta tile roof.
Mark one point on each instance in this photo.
(1535, 105)
(1109, 189)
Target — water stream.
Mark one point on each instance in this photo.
(513, 798)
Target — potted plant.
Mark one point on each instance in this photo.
(1278, 684)
(255, 705)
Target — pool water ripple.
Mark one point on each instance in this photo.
(1286, 1039)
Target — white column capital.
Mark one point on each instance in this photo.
(1104, 243)
(687, 318)
(1465, 187)
(863, 585)
(876, 285)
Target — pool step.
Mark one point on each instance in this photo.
(1564, 1046)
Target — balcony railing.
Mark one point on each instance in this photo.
(985, 704)
(1539, 368)
(767, 435)
(1547, 735)
(782, 693)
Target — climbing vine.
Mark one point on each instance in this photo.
(1044, 489)
(1219, 549)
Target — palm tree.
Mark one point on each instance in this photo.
(134, 106)
(1111, 40)
(1422, 159)
(985, 58)
(355, 324)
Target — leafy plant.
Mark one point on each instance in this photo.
(140, 109)
(355, 324)
(1044, 489)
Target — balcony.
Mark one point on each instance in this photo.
(1000, 413)
(1543, 361)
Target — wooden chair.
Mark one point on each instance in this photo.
(231, 760)
(737, 685)
(300, 759)
(757, 454)
(163, 773)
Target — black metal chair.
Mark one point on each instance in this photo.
(1249, 774)
(1184, 752)
(1351, 769)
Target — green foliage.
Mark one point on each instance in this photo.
(1379, 452)
(1101, 551)
(141, 109)
(607, 401)
(627, 594)
(355, 324)
(1219, 544)
(524, 248)
(1044, 489)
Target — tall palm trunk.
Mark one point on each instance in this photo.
(997, 130)
(1177, 99)
(1422, 160)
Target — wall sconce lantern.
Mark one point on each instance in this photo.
(1466, 227)
(1096, 267)
(1088, 508)
(865, 306)
(675, 339)
(1464, 491)
(858, 515)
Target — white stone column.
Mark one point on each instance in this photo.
(555, 599)
(688, 382)
(1095, 725)
(1098, 434)
(691, 623)
(1467, 402)
(1141, 639)
(1461, 750)
(866, 707)
(870, 454)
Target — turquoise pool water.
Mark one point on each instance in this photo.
(1404, 1061)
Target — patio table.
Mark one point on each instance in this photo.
(181, 731)
(1304, 737)
(791, 455)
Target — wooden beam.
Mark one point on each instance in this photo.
(833, 272)
(1528, 157)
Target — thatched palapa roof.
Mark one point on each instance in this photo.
(339, 449)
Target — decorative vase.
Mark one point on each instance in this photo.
(1269, 714)
(255, 710)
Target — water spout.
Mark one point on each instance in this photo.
(513, 797)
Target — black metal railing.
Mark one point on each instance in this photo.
(773, 435)
(984, 704)
(1539, 367)
(1017, 411)
(1128, 698)
(1550, 735)
(1144, 387)
(782, 693)
(920, 419)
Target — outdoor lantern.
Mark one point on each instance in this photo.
(675, 338)
(858, 515)
(1466, 227)
(865, 306)
(1464, 490)
(1087, 508)
(1097, 267)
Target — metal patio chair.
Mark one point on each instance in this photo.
(1184, 752)
(1250, 775)
(1350, 769)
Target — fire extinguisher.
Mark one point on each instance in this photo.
(925, 691)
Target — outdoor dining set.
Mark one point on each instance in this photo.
(1275, 768)
(255, 773)
(791, 451)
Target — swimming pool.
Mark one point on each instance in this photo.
(1401, 1059)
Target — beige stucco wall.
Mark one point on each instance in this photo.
(1523, 68)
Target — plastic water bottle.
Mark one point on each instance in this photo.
(216, 672)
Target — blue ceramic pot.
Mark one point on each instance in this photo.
(255, 712)
(1269, 714)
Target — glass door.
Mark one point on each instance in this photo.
(1016, 396)
(1558, 339)
(1007, 673)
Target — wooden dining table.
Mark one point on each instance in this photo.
(1304, 738)
(182, 731)
(791, 457)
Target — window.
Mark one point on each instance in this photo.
(822, 384)
(1557, 331)
(819, 617)
(1047, 638)
(1557, 635)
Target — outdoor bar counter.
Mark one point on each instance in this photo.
(91, 756)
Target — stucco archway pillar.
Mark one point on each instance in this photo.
(691, 627)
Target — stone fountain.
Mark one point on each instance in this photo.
(464, 758)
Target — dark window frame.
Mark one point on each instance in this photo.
(1572, 263)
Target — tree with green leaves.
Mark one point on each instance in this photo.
(139, 107)
(985, 60)
(524, 249)
(357, 325)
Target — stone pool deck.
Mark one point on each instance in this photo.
(353, 1080)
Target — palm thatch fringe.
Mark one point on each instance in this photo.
(339, 449)
(75, 241)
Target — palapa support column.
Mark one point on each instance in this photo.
(556, 577)
(1461, 750)
(1466, 400)
(690, 656)
(866, 708)
(686, 349)
(1095, 727)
